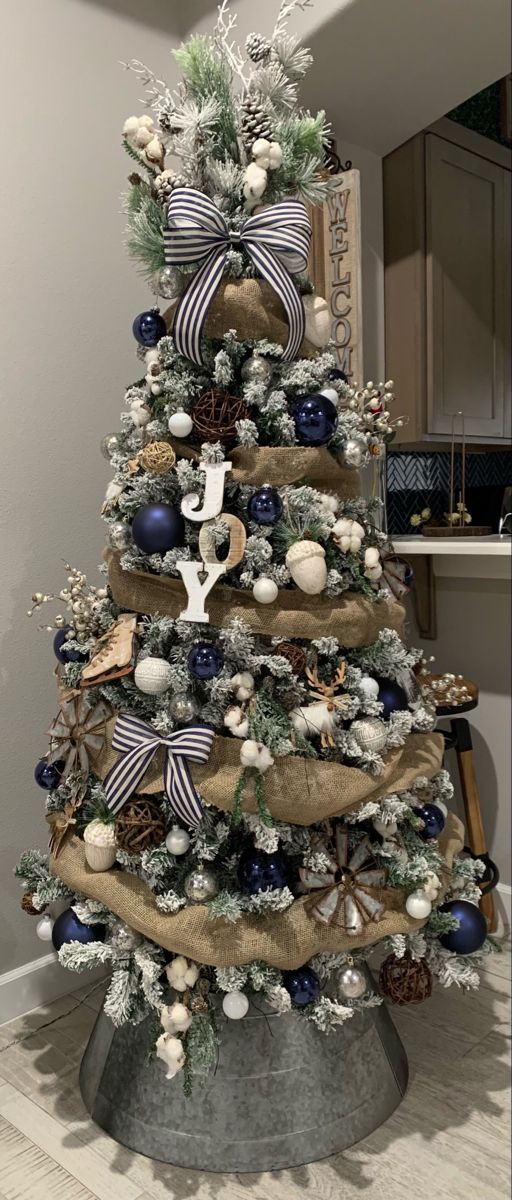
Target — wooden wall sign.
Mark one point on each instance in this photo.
(335, 269)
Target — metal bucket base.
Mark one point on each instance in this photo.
(283, 1094)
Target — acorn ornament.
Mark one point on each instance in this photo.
(307, 566)
(100, 845)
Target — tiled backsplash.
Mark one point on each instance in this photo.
(419, 480)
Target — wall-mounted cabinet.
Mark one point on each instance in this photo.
(447, 284)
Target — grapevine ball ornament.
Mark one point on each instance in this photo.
(392, 696)
(152, 676)
(265, 506)
(216, 414)
(180, 424)
(293, 654)
(472, 930)
(433, 819)
(119, 535)
(158, 457)
(205, 660)
(235, 1005)
(177, 841)
(157, 528)
(140, 825)
(62, 651)
(351, 983)
(68, 928)
(302, 985)
(405, 980)
(258, 870)
(316, 419)
(48, 775)
(201, 885)
(347, 892)
(148, 327)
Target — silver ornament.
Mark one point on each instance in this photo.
(177, 840)
(200, 885)
(183, 707)
(119, 535)
(369, 733)
(354, 452)
(256, 370)
(166, 283)
(109, 444)
(351, 984)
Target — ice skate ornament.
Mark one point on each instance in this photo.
(320, 717)
(114, 653)
(348, 891)
(138, 743)
(276, 240)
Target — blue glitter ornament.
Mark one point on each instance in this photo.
(205, 660)
(149, 327)
(265, 506)
(68, 928)
(47, 775)
(302, 985)
(258, 871)
(392, 696)
(64, 654)
(472, 931)
(315, 419)
(157, 528)
(433, 818)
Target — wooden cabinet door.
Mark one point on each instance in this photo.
(468, 290)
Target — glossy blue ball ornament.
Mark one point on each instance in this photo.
(64, 654)
(68, 928)
(205, 660)
(258, 871)
(302, 985)
(336, 373)
(149, 327)
(392, 696)
(157, 528)
(315, 420)
(265, 506)
(47, 775)
(433, 818)
(472, 931)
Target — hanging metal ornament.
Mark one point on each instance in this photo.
(77, 733)
(347, 893)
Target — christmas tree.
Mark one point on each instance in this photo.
(245, 791)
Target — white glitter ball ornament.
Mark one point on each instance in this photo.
(152, 676)
(265, 590)
(177, 840)
(180, 424)
(235, 1005)
(418, 905)
(370, 734)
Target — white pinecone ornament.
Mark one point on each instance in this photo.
(257, 47)
(254, 123)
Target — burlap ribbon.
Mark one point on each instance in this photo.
(286, 939)
(280, 465)
(253, 309)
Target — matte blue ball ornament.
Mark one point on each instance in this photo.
(392, 696)
(265, 506)
(315, 419)
(149, 327)
(61, 650)
(472, 931)
(47, 774)
(157, 528)
(434, 821)
(302, 985)
(205, 660)
(258, 871)
(68, 928)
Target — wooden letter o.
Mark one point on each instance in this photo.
(237, 541)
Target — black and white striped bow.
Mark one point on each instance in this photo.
(276, 239)
(138, 743)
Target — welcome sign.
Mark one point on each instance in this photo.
(335, 269)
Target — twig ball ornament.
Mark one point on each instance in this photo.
(158, 457)
(152, 676)
(44, 928)
(472, 931)
(109, 445)
(259, 870)
(302, 985)
(392, 696)
(63, 651)
(405, 980)
(157, 528)
(100, 845)
(201, 885)
(369, 733)
(119, 535)
(256, 369)
(316, 419)
(265, 590)
(205, 660)
(148, 327)
(68, 928)
(265, 506)
(183, 707)
(354, 453)
(215, 415)
(180, 424)
(294, 654)
(140, 825)
(433, 820)
(418, 905)
(47, 775)
(235, 1005)
(177, 841)
(351, 984)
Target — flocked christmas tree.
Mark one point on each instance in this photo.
(243, 786)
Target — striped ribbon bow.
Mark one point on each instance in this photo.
(276, 239)
(138, 743)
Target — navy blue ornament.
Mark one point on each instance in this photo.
(149, 327)
(63, 654)
(302, 985)
(157, 528)
(472, 931)
(258, 871)
(335, 373)
(47, 775)
(315, 419)
(433, 818)
(205, 660)
(392, 696)
(68, 928)
(265, 506)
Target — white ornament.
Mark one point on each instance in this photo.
(177, 841)
(255, 754)
(139, 414)
(369, 733)
(235, 1005)
(371, 556)
(99, 845)
(418, 905)
(236, 721)
(306, 563)
(44, 929)
(387, 829)
(331, 394)
(440, 804)
(243, 685)
(153, 676)
(255, 181)
(213, 493)
(176, 1018)
(351, 984)
(180, 424)
(197, 591)
(265, 591)
(369, 687)
(170, 1049)
(318, 321)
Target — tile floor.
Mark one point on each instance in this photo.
(449, 1140)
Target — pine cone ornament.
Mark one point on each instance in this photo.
(165, 183)
(254, 123)
(257, 47)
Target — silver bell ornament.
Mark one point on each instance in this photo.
(183, 707)
(256, 370)
(109, 445)
(119, 536)
(351, 984)
(177, 841)
(354, 453)
(201, 885)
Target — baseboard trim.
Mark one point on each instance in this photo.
(503, 901)
(37, 983)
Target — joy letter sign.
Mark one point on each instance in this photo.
(335, 268)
